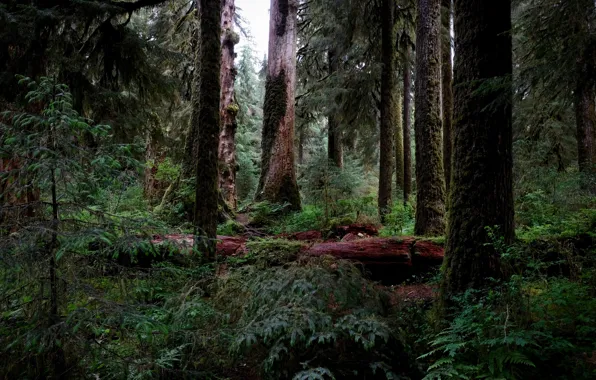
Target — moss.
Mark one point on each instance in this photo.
(231, 37)
(274, 252)
(275, 106)
(233, 108)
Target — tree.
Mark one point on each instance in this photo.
(334, 140)
(388, 110)
(482, 195)
(569, 43)
(447, 90)
(228, 107)
(407, 123)
(206, 104)
(430, 180)
(399, 144)
(278, 172)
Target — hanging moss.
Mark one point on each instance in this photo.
(274, 110)
(284, 10)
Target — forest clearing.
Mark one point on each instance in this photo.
(397, 189)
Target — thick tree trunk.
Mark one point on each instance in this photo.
(388, 111)
(447, 85)
(228, 108)
(585, 112)
(399, 144)
(278, 173)
(407, 127)
(482, 194)
(430, 179)
(334, 140)
(207, 102)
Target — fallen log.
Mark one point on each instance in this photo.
(390, 260)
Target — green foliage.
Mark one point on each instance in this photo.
(60, 197)
(553, 204)
(320, 319)
(400, 221)
(309, 218)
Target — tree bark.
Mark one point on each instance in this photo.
(447, 89)
(334, 140)
(407, 127)
(207, 103)
(481, 194)
(585, 113)
(228, 108)
(278, 183)
(399, 144)
(388, 111)
(430, 179)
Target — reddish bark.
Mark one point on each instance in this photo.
(368, 251)
(228, 108)
(390, 260)
(303, 236)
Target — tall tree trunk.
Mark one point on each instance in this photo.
(407, 127)
(585, 113)
(482, 190)
(399, 144)
(191, 147)
(388, 111)
(430, 179)
(207, 102)
(334, 140)
(447, 85)
(278, 172)
(228, 107)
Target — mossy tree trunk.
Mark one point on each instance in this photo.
(430, 179)
(481, 194)
(278, 183)
(585, 100)
(585, 113)
(388, 111)
(334, 139)
(228, 108)
(447, 86)
(407, 123)
(399, 144)
(207, 103)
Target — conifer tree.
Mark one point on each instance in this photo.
(388, 110)
(278, 172)
(447, 90)
(482, 195)
(228, 107)
(430, 180)
(206, 104)
(407, 124)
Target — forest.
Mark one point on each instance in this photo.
(397, 189)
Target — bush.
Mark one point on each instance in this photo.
(319, 318)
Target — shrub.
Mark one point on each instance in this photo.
(318, 318)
